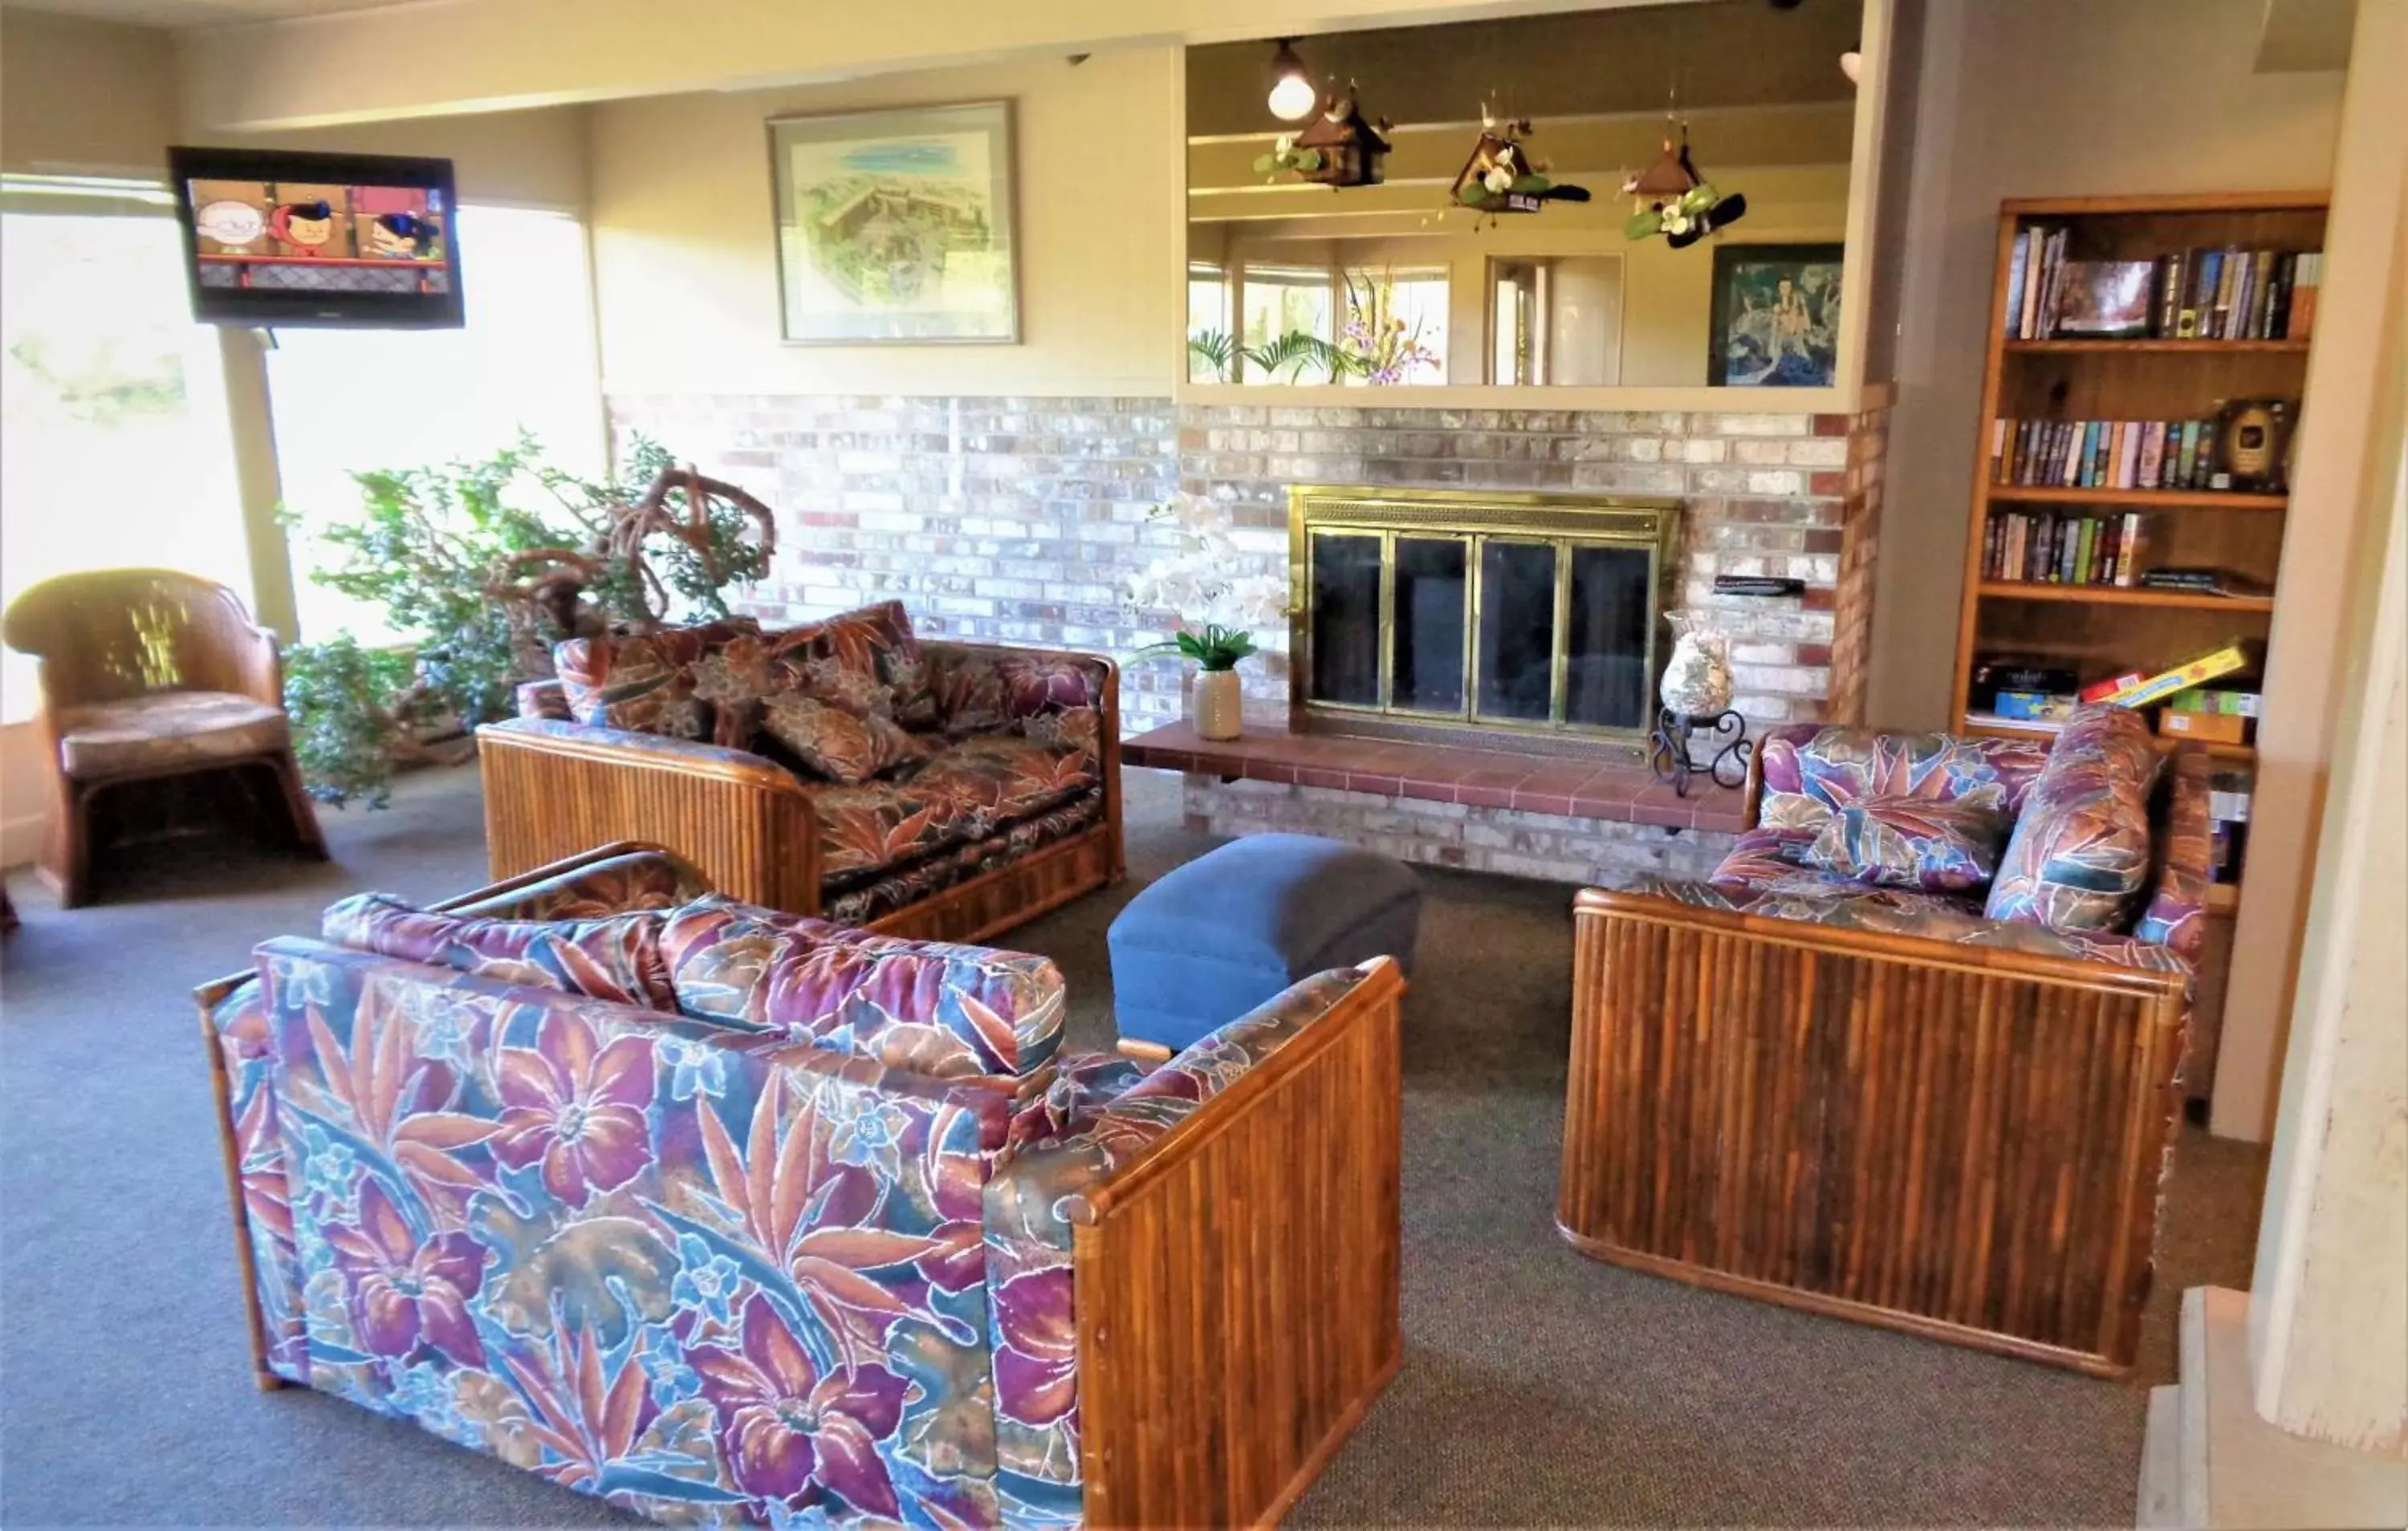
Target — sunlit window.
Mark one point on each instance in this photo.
(351, 400)
(114, 446)
(1210, 342)
(1290, 323)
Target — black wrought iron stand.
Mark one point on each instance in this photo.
(1670, 754)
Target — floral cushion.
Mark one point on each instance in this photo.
(1809, 770)
(928, 1008)
(1763, 854)
(868, 661)
(617, 958)
(982, 690)
(1900, 911)
(2176, 913)
(643, 879)
(845, 746)
(1947, 846)
(858, 902)
(649, 683)
(2080, 850)
(968, 791)
(164, 729)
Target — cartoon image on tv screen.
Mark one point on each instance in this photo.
(307, 236)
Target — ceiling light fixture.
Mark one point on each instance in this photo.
(1293, 96)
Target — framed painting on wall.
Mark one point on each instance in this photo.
(896, 225)
(1775, 316)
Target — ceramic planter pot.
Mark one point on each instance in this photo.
(1215, 705)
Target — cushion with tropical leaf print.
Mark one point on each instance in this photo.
(847, 748)
(868, 661)
(647, 682)
(1944, 845)
(2079, 855)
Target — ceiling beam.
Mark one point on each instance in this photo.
(445, 57)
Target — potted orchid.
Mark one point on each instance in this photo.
(1218, 608)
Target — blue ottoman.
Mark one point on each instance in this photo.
(1231, 929)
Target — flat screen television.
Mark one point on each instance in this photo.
(275, 238)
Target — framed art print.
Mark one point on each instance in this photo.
(896, 225)
(1775, 316)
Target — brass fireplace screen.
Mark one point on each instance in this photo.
(1526, 613)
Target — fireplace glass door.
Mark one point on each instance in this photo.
(1492, 630)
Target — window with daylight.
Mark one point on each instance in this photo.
(1288, 308)
(1210, 338)
(352, 400)
(114, 445)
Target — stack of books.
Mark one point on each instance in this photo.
(2105, 453)
(2227, 294)
(2103, 551)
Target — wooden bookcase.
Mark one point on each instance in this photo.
(2098, 631)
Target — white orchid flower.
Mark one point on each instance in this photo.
(1498, 180)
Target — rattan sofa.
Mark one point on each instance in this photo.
(1018, 809)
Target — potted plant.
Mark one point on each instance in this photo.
(1218, 607)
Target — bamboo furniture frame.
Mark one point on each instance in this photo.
(1238, 1281)
(1960, 1142)
(750, 826)
(114, 633)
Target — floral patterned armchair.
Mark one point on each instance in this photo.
(1912, 1055)
(722, 1214)
(843, 769)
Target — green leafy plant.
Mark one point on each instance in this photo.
(433, 547)
(346, 703)
(1215, 348)
(1212, 646)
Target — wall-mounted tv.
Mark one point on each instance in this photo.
(279, 238)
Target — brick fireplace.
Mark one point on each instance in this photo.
(1024, 518)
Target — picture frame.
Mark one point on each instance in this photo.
(897, 226)
(1774, 319)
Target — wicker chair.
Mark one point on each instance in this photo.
(148, 673)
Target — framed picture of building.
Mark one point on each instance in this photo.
(1775, 316)
(896, 225)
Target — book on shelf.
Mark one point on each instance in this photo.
(2206, 581)
(2228, 292)
(2148, 690)
(2048, 548)
(2137, 454)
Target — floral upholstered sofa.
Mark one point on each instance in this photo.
(1912, 1054)
(722, 1214)
(842, 767)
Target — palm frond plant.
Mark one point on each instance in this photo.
(1215, 348)
(1212, 646)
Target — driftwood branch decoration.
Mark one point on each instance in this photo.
(624, 540)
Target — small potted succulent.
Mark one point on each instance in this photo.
(1216, 608)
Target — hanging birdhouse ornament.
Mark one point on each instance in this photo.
(1671, 199)
(1501, 176)
(1340, 147)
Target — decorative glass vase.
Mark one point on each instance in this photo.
(1217, 705)
(1698, 678)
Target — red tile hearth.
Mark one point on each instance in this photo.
(1533, 783)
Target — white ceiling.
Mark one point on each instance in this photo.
(195, 12)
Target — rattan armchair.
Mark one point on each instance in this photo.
(148, 673)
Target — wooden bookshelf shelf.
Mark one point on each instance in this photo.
(2139, 500)
(2179, 600)
(2237, 752)
(2158, 348)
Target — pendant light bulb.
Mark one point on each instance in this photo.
(1851, 62)
(1293, 96)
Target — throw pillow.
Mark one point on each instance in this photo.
(647, 682)
(845, 746)
(1943, 844)
(869, 659)
(2080, 852)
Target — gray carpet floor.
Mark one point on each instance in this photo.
(1538, 1387)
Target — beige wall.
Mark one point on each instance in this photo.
(2045, 98)
(83, 97)
(685, 263)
